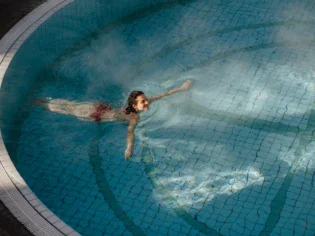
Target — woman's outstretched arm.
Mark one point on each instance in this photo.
(184, 87)
(131, 136)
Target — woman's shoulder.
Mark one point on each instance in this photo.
(134, 117)
(121, 114)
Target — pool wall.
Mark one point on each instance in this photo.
(25, 51)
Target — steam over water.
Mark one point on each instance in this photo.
(220, 155)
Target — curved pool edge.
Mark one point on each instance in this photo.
(14, 192)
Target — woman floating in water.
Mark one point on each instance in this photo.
(103, 112)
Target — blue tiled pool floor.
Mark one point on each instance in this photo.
(233, 156)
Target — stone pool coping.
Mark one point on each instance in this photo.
(14, 192)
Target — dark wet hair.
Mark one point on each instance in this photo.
(132, 101)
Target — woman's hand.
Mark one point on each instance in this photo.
(185, 85)
(128, 152)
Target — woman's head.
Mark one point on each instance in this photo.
(137, 101)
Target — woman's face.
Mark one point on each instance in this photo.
(141, 103)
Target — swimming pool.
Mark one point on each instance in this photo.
(233, 156)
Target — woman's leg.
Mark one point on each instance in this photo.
(62, 106)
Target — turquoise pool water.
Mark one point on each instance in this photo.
(235, 155)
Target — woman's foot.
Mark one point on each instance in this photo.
(41, 102)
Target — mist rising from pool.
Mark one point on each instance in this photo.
(217, 155)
